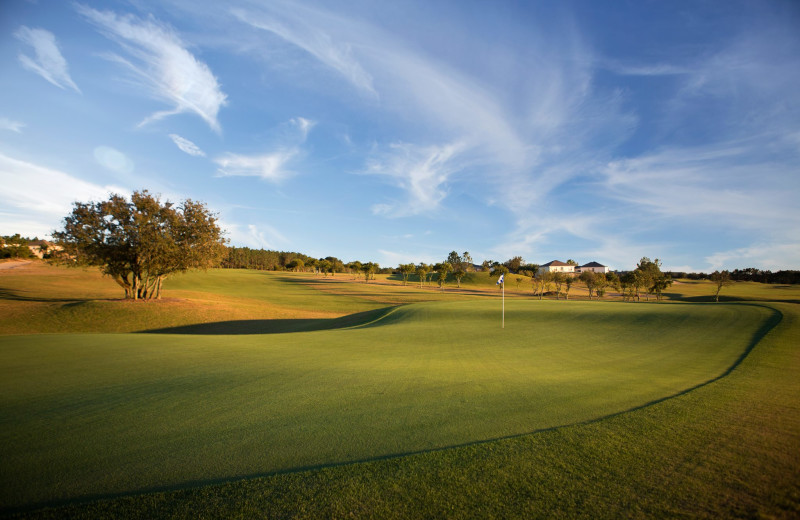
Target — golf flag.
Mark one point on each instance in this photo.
(500, 280)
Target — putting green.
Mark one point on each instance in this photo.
(99, 414)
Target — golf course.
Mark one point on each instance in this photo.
(246, 393)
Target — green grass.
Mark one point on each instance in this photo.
(576, 409)
(141, 411)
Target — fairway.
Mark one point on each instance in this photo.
(88, 415)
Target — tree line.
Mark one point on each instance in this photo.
(141, 241)
(15, 246)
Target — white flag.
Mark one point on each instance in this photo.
(500, 280)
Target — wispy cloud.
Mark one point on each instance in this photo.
(8, 124)
(531, 121)
(762, 254)
(296, 24)
(162, 64)
(260, 235)
(271, 167)
(422, 172)
(113, 160)
(48, 61)
(650, 69)
(35, 198)
(717, 181)
(303, 125)
(187, 146)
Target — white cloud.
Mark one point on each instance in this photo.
(724, 181)
(298, 26)
(304, 125)
(422, 171)
(35, 199)
(259, 236)
(113, 160)
(271, 167)
(187, 146)
(163, 65)
(268, 166)
(763, 255)
(48, 62)
(8, 124)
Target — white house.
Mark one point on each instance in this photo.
(556, 266)
(592, 266)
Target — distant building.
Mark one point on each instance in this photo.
(556, 266)
(41, 247)
(592, 266)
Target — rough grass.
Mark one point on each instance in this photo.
(729, 448)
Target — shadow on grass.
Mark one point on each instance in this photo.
(19, 296)
(276, 326)
(723, 299)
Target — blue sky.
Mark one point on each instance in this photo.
(400, 131)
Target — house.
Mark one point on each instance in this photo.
(592, 266)
(556, 266)
(41, 247)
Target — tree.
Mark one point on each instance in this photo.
(627, 285)
(324, 266)
(466, 262)
(369, 270)
(571, 262)
(659, 284)
(458, 274)
(613, 280)
(15, 246)
(498, 270)
(514, 264)
(337, 266)
(568, 281)
(406, 270)
(141, 242)
(422, 271)
(588, 279)
(649, 276)
(313, 263)
(559, 279)
(721, 279)
(442, 269)
(600, 283)
(540, 281)
(454, 259)
(296, 265)
(355, 268)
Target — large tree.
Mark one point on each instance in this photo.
(142, 241)
(648, 273)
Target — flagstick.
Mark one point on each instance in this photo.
(504, 305)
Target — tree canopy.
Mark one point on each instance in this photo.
(142, 241)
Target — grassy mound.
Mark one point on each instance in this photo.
(88, 415)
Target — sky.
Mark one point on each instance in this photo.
(397, 132)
